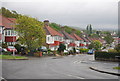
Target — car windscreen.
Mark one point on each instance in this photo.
(11, 47)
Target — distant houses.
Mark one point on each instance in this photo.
(55, 38)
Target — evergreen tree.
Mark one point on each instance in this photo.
(90, 29)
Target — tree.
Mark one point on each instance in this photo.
(117, 47)
(7, 13)
(4, 45)
(90, 29)
(18, 47)
(108, 38)
(61, 49)
(95, 44)
(30, 31)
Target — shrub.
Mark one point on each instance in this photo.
(117, 47)
(37, 54)
(7, 53)
(82, 50)
(18, 47)
(4, 45)
(112, 50)
(65, 53)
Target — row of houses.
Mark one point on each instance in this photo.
(53, 38)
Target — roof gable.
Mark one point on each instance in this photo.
(51, 31)
(7, 22)
(76, 36)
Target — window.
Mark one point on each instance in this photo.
(8, 32)
(5, 32)
(0, 30)
(12, 33)
(48, 38)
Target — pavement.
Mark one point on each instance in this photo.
(107, 68)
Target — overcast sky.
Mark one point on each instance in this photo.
(102, 14)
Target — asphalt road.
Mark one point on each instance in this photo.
(67, 67)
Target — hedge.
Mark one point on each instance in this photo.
(107, 56)
(83, 50)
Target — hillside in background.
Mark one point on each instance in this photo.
(68, 29)
(13, 14)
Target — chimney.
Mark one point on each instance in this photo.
(46, 22)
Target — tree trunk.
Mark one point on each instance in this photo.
(61, 53)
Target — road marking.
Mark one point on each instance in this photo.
(66, 74)
(76, 76)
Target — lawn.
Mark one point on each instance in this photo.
(12, 57)
(116, 68)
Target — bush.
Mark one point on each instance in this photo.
(117, 47)
(18, 47)
(66, 53)
(112, 50)
(100, 55)
(7, 53)
(83, 50)
(4, 45)
(37, 54)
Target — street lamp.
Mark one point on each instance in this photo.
(13, 34)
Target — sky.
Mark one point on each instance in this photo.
(102, 14)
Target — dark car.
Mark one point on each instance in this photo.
(91, 51)
(43, 49)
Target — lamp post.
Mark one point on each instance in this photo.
(13, 34)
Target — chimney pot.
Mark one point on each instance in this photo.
(46, 22)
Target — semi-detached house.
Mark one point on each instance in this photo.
(53, 38)
(8, 33)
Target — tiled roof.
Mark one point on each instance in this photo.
(7, 22)
(72, 44)
(85, 39)
(66, 35)
(51, 31)
(76, 36)
(12, 19)
(93, 39)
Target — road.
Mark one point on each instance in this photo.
(66, 67)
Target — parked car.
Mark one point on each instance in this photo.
(77, 51)
(4, 49)
(91, 51)
(105, 50)
(11, 49)
(66, 51)
(43, 49)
